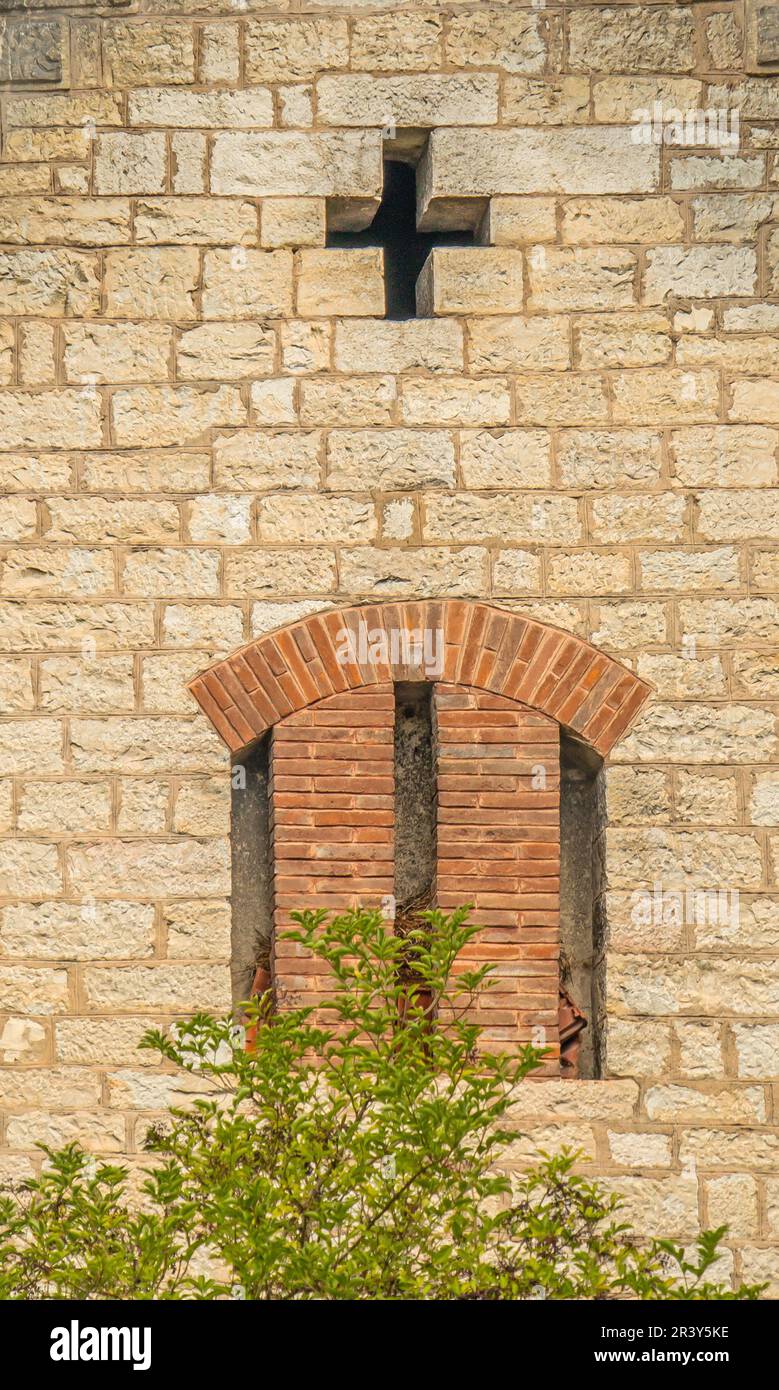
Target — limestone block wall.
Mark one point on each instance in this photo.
(208, 430)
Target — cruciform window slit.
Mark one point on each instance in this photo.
(395, 229)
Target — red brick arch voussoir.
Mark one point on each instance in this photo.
(468, 643)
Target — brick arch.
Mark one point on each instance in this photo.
(489, 648)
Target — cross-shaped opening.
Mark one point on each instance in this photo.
(395, 229)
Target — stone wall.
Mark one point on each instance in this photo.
(208, 431)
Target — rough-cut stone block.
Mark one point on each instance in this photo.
(117, 352)
(129, 163)
(141, 55)
(173, 414)
(247, 284)
(151, 284)
(343, 164)
(463, 164)
(74, 221)
(288, 50)
(49, 283)
(581, 278)
(358, 460)
(465, 280)
(633, 39)
(226, 351)
(199, 221)
(432, 100)
(340, 282)
(159, 106)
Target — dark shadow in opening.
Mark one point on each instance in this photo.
(405, 248)
(582, 909)
(252, 868)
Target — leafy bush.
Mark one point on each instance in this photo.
(355, 1157)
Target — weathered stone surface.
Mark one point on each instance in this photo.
(97, 352)
(519, 221)
(725, 455)
(640, 1150)
(71, 221)
(100, 684)
(587, 159)
(185, 866)
(414, 572)
(151, 284)
(516, 572)
(636, 39)
(535, 342)
(456, 401)
(589, 572)
(713, 171)
(49, 283)
(637, 1048)
(339, 163)
(577, 278)
(505, 458)
(129, 163)
(29, 869)
(386, 459)
(643, 516)
(33, 51)
(620, 627)
(242, 284)
(225, 350)
(215, 110)
(197, 625)
(508, 39)
(54, 570)
(684, 570)
(380, 345)
(623, 340)
(77, 931)
(506, 516)
(262, 459)
(649, 220)
(709, 986)
(335, 281)
(450, 100)
(93, 1130)
(699, 272)
(286, 50)
(173, 987)
(173, 414)
(700, 734)
(143, 745)
(632, 98)
(406, 41)
(311, 518)
(171, 571)
(292, 222)
(196, 221)
(546, 101)
(739, 515)
(668, 395)
(41, 419)
(266, 571)
(731, 216)
(728, 1104)
(608, 459)
(566, 398)
(141, 55)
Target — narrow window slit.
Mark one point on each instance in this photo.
(415, 821)
(252, 872)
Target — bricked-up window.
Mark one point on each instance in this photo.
(394, 228)
(397, 775)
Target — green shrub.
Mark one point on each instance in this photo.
(356, 1158)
